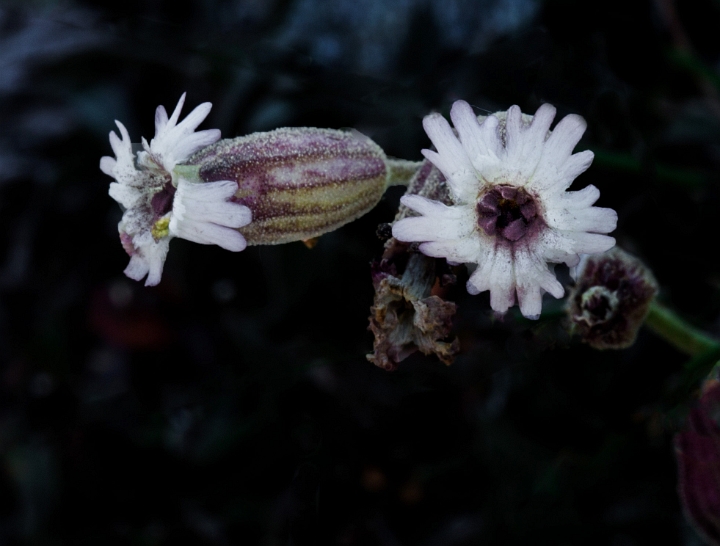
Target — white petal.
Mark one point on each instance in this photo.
(530, 301)
(137, 268)
(591, 243)
(464, 184)
(123, 146)
(525, 144)
(155, 273)
(451, 158)
(564, 138)
(514, 136)
(127, 196)
(145, 145)
(206, 202)
(202, 214)
(554, 248)
(175, 115)
(123, 167)
(194, 142)
(490, 135)
(575, 199)
(422, 228)
(439, 221)
(559, 242)
(556, 178)
(231, 215)
(161, 117)
(551, 285)
(444, 140)
(532, 275)
(528, 289)
(149, 258)
(480, 141)
(208, 191)
(592, 219)
(479, 281)
(173, 142)
(107, 165)
(497, 275)
(557, 168)
(194, 118)
(467, 250)
(502, 281)
(207, 233)
(428, 207)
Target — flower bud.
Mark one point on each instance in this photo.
(298, 182)
(611, 299)
(697, 449)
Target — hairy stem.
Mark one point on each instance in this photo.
(401, 171)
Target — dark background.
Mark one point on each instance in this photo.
(233, 403)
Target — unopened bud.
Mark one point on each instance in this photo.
(611, 299)
(298, 182)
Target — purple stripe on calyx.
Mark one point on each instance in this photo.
(318, 178)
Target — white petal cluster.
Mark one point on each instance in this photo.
(159, 205)
(174, 143)
(509, 153)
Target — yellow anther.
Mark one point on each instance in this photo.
(161, 228)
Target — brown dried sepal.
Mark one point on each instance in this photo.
(406, 315)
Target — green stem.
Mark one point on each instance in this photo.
(679, 333)
(401, 171)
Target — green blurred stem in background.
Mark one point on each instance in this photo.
(704, 350)
(679, 333)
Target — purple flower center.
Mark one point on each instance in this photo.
(507, 211)
(163, 200)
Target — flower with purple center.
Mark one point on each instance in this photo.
(159, 204)
(512, 216)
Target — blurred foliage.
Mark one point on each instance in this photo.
(233, 403)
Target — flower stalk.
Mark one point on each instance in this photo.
(665, 323)
(401, 171)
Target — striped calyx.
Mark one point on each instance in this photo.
(298, 182)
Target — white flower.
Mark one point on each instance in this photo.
(508, 176)
(159, 205)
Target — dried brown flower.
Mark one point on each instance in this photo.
(611, 299)
(408, 313)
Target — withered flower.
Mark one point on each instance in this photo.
(408, 313)
(611, 299)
